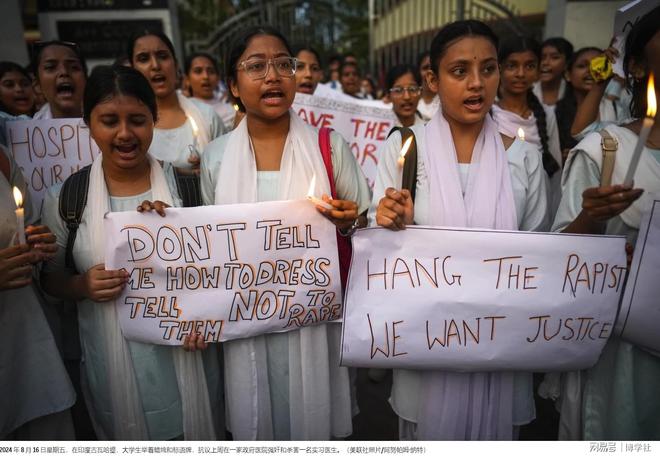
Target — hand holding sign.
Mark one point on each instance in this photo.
(101, 285)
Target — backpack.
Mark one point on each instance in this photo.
(410, 162)
(73, 199)
(344, 247)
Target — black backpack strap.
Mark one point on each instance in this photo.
(189, 188)
(410, 163)
(73, 199)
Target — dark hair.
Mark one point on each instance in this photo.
(421, 57)
(398, 71)
(6, 67)
(238, 47)
(560, 44)
(37, 49)
(523, 44)
(638, 38)
(298, 48)
(143, 33)
(452, 32)
(566, 108)
(108, 81)
(187, 64)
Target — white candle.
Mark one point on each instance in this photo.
(20, 216)
(401, 161)
(521, 134)
(647, 124)
(313, 199)
(195, 130)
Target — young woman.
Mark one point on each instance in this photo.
(580, 85)
(16, 93)
(555, 55)
(175, 140)
(349, 77)
(38, 391)
(403, 86)
(308, 69)
(201, 78)
(368, 89)
(61, 73)
(518, 108)
(284, 385)
(135, 391)
(465, 178)
(620, 400)
(429, 102)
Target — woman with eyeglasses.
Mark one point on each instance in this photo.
(61, 74)
(286, 385)
(403, 86)
(185, 125)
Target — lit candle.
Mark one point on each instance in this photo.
(401, 161)
(521, 134)
(313, 199)
(647, 123)
(195, 130)
(20, 216)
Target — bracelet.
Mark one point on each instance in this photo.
(351, 230)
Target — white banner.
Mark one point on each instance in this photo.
(50, 150)
(639, 318)
(226, 272)
(479, 300)
(365, 128)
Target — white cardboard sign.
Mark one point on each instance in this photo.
(50, 150)
(364, 127)
(639, 318)
(227, 272)
(479, 300)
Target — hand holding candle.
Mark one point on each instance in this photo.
(401, 161)
(313, 199)
(20, 215)
(644, 132)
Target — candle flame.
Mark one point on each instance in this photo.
(236, 107)
(405, 147)
(18, 197)
(521, 134)
(312, 185)
(193, 124)
(651, 102)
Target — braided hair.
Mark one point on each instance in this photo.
(522, 44)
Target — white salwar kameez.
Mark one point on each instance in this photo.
(471, 406)
(289, 385)
(617, 398)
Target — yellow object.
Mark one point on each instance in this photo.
(600, 68)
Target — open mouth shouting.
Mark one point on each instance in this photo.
(158, 80)
(474, 103)
(127, 151)
(65, 90)
(306, 87)
(273, 97)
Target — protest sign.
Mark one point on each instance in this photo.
(364, 127)
(49, 150)
(226, 272)
(479, 300)
(639, 318)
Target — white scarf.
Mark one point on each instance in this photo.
(318, 386)
(488, 201)
(203, 126)
(127, 412)
(301, 160)
(461, 406)
(508, 124)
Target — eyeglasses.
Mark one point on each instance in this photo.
(258, 68)
(398, 91)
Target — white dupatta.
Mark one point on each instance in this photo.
(127, 411)
(319, 389)
(462, 406)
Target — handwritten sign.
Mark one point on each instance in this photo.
(474, 300)
(639, 318)
(225, 272)
(364, 127)
(50, 150)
